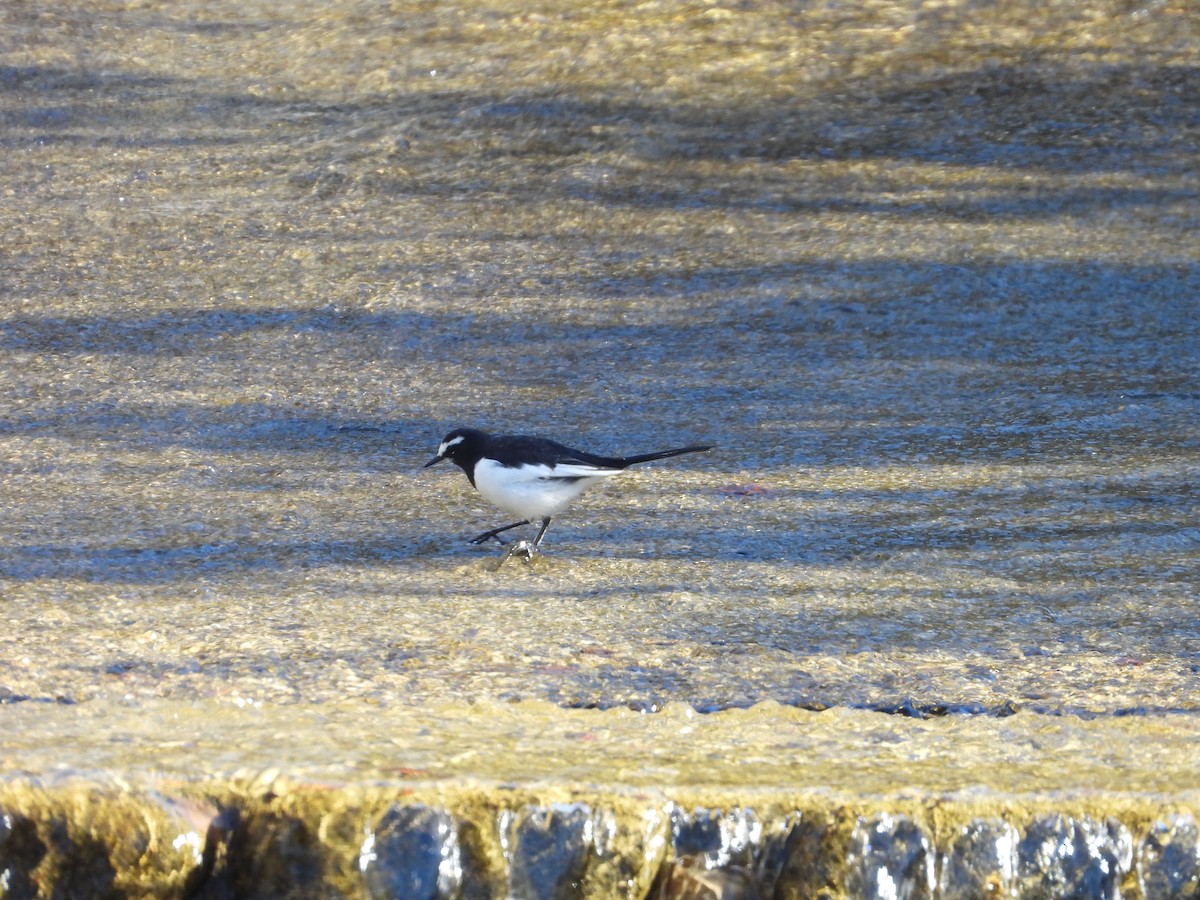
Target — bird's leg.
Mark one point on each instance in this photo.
(488, 535)
(537, 540)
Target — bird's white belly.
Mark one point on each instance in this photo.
(531, 492)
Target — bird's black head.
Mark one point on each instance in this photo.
(462, 446)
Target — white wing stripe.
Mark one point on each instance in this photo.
(581, 470)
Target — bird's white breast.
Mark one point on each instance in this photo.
(535, 491)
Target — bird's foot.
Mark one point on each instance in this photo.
(519, 548)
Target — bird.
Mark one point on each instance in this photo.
(532, 477)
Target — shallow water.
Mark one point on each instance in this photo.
(927, 276)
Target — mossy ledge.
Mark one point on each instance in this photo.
(271, 836)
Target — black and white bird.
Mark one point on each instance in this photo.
(532, 477)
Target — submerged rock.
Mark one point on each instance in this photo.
(1168, 861)
(721, 838)
(1060, 856)
(547, 849)
(413, 852)
(890, 856)
(980, 862)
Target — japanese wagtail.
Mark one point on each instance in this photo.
(532, 477)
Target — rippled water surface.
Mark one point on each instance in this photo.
(926, 274)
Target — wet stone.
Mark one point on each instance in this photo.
(980, 862)
(1168, 863)
(791, 857)
(721, 838)
(890, 856)
(1061, 856)
(690, 878)
(413, 852)
(547, 849)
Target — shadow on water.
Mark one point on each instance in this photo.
(1033, 305)
(1037, 114)
(233, 428)
(151, 564)
(1020, 531)
(1089, 117)
(195, 331)
(1074, 342)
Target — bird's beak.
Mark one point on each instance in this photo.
(433, 462)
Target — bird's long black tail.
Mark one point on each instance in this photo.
(662, 454)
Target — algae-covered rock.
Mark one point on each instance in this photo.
(84, 840)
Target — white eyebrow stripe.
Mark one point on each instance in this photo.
(446, 445)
